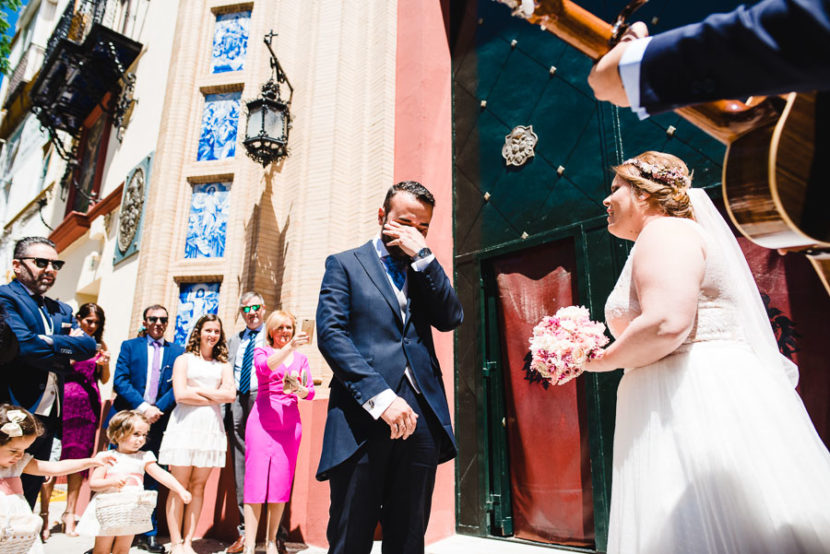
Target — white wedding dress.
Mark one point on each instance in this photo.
(713, 449)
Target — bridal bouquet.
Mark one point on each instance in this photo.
(562, 343)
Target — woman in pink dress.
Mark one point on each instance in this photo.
(272, 435)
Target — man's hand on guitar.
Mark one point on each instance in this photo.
(400, 418)
(605, 75)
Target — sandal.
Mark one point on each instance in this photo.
(45, 531)
(65, 525)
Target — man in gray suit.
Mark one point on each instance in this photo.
(241, 354)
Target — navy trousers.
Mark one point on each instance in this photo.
(390, 481)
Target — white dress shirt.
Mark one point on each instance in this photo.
(629, 68)
(259, 340)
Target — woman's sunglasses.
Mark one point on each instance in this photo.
(254, 307)
(41, 263)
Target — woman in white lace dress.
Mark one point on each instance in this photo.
(713, 449)
(194, 442)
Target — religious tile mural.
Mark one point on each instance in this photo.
(208, 221)
(230, 42)
(220, 120)
(195, 300)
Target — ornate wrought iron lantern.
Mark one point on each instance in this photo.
(269, 118)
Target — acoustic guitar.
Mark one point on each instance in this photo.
(770, 176)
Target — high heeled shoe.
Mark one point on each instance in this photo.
(45, 531)
(279, 545)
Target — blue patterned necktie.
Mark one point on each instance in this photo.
(393, 267)
(247, 362)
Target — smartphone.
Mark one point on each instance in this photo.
(307, 327)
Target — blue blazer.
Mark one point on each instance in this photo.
(131, 375)
(23, 379)
(773, 47)
(368, 345)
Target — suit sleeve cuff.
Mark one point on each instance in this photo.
(143, 407)
(629, 67)
(420, 265)
(378, 403)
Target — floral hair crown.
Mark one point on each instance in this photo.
(12, 428)
(671, 177)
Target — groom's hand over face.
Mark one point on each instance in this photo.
(400, 418)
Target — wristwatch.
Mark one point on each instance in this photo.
(422, 253)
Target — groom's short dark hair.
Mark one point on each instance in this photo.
(414, 188)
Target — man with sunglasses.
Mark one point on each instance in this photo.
(144, 381)
(241, 354)
(48, 337)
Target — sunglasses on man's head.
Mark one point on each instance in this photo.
(254, 307)
(154, 318)
(41, 263)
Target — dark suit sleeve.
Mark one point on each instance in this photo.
(334, 339)
(442, 305)
(773, 47)
(8, 342)
(121, 381)
(36, 351)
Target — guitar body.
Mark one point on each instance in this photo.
(774, 189)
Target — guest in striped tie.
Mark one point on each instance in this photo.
(241, 354)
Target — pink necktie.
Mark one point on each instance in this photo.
(155, 372)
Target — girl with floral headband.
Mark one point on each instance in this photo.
(18, 430)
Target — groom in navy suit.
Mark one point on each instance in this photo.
(48, 338)
(388, 424)
(143, 381)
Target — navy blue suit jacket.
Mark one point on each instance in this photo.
(773, 47)
(131, 375)
(368, 346)
(23, 379)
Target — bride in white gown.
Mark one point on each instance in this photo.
(713, 449)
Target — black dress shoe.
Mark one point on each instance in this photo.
(150, 544)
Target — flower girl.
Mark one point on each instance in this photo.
(122, 507)
(18, 430)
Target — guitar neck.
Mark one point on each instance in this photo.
(724, 120)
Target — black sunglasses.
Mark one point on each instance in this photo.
(254, 307)
(160, 319)
(41, 263)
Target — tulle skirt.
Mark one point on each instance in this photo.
(715, 454)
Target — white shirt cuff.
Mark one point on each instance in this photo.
(143, 407)
(378, 403)
(420, 265)
(629, 69)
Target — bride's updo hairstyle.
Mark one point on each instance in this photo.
(664, 177)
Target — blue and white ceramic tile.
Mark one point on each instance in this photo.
(220, 120)
(208, 222)
(230, 42)
(195, 300)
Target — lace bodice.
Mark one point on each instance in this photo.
(717, 314)
(15, 470)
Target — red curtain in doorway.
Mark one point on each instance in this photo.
(546, 426)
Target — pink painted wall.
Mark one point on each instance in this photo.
(423, 152)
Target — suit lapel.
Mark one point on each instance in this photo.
(142, 365)
(30, 303)
(368, 258)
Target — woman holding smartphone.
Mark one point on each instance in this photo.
(273, 432)
(81, 415)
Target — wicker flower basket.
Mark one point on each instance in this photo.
(18, 532)
(125, 512)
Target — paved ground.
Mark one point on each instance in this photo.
(458, 544)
